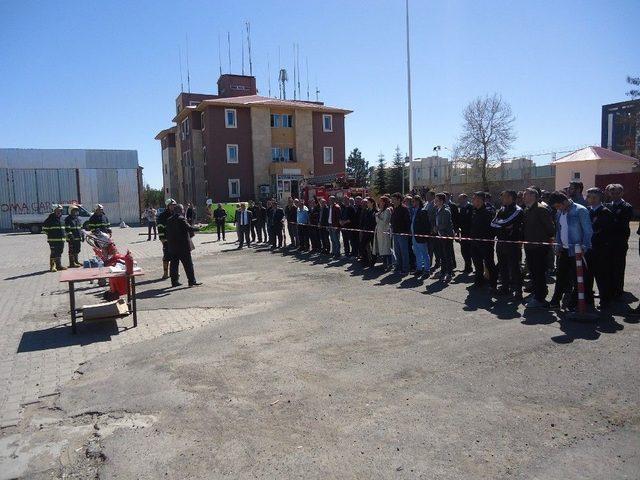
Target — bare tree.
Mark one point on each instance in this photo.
(487, 133)
(635, 82)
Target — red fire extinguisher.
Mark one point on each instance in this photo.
(128, 262)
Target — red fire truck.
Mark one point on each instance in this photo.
(337, 185)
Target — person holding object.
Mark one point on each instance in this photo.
(597, 258)
(537, 227)
(220, 218)
(55, 230)
(179, 245)
(152, 223)
(574, 229)
(244, 226)
(75, 236)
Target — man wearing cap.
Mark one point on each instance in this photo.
(54, 228)
(73, 230)
(98, 221)
(162, 225)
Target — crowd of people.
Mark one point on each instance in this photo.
(532, 235)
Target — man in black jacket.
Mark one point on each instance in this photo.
(75, 237)
(482, 250)
(98, 221)
(619, 236)
(220, 218)
(259, 213)
(598, 256)
(162, 234)
(508, 226)
(277, 224)
(401, 230)
(324, 227)
(465, 211)
(55, 230)
(420, 225)
(179, 233)
(455, 218)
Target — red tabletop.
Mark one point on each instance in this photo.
(86, 274)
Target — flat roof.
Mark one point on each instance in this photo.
(19, 158)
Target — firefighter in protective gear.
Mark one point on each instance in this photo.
(98, 221)
(162, 225)
(73, 229)
(54, 228)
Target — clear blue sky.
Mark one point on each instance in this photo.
(104, 74)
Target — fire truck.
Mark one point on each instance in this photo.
(339, 186)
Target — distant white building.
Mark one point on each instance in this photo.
(428, 171)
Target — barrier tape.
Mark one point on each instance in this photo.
(442, 237)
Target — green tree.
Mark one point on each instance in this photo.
(380, 179)
(357, 167)
(634, 92)
(152, 197)
(394, 175)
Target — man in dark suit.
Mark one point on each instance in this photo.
(244, 226)
(619, 236)
(277, 224)
(598, 257)
(178, 233)
(324, 226)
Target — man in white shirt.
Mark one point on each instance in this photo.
(244, 226)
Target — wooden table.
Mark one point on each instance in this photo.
(76, 275)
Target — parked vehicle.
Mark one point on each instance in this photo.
(33, 221)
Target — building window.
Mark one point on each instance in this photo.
(230, 120)
(202, 118)
(275, 120)
(328, 155)
(576, 176)
(232, 153)
(165, 169)
(282, 154)
(186, 158)
(234, 188)
(275, 154)
(185, 128)
(327, 123)
(287, 121)
(435, 172)
(204, 155)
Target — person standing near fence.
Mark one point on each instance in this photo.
(302, 221)
(277, 216)
(325, 245)
(444, 229)
(314, 223)
(508, 227)
(420, 226)
(465, 211)
(334, 226)
(482, 250)
(382, 237)
(598, 257)
(291, 213)
(537, 227)
(619, 234)
(574, 229)
(368, 226)
(401, 230)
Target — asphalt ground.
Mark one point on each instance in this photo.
(308, 367)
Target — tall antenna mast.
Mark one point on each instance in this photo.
(279, 70)
(409, 113)
(229, 48)
(294, 71)
(219, 55)
(307, 62)
(298, 68)
(268, 74)
(242, 56)
(249, 47)
(188, 74)
(317, 91)
(180, 62)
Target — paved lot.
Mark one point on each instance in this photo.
(286, 366)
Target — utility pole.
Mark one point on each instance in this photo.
(409, 113)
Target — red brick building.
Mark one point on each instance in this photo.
(238, 145)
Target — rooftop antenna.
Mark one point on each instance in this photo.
(294, 71)
(219, 55)
(317, 91)
(279, 69)
(307, 62)
(269, 74)
(282, 79)
(188, 75)
(242, 41)
(249, 47)
(180, 62)
(229, 48)
(298, 68)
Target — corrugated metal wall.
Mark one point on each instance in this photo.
(32, 190)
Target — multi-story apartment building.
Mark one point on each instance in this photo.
(240, 145)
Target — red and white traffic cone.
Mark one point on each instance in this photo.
(582, 313)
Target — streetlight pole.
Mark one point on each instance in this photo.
(409, 113)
